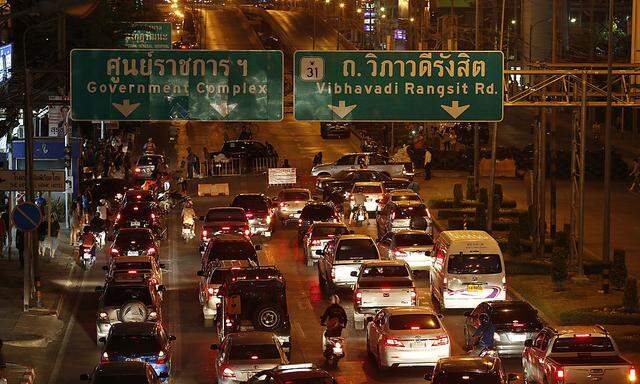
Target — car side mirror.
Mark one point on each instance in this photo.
(85, 377)
(354, 274)
(163, 375)
(200, 273)
(528, 343)
(257, 247)
(215, 347)
(512, 377)
(319, 252)
(467, 313)
(201, 218)
(161, 288)
(98, 289)
(172, 338)
(102, 339)
(105, 268)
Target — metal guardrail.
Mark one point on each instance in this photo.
(238, 167)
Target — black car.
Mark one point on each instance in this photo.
(244, 149)
(223, 220)
(147, 166)
(140, 215)
(293, 374)
(134, 242)
(330, 129)
(138, 196)
(258, 210)
(123, 372)
(344, 180)
(312, 212)
(463, 369)
(229, 247)
(515, 321)
(143, 341)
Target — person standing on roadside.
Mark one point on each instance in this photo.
(191, 163)
(20, 246)
(427, 164)
(53, 236)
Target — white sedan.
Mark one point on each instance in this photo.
(407, 336)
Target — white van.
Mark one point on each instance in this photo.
(467, 270)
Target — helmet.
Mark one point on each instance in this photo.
(484, 318)
(335, 299)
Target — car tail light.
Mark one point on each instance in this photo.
(299, 222)
(103, 316)
(391, 342)
(248, 215)
(204, 233)
(582, 335)
(228, 322)
(440, 341)
(399, 253)
(135, 208)
(632, 376)
(212, 291)
(132, 272)
(247, 232)
(560, 374)
(162, 358)
(504, 281)
(153, 216)
(228, 373)
(226, 228)
(138, 170)
(118, 216)
(114, 251)
(282, 205)
(104, 357)
(357, 297)
(445, 282)
(151, 250)
(414, 297)
(316, 242)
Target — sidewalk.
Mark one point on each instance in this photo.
(26, 335)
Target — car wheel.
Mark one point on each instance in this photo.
(268, 317)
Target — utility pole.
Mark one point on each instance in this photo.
(476, 126)
(606, 220)
(553, 145)
(31, 268)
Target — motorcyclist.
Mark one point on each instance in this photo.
(188, 214)
(98, 228)
(334, 318)
(358, 205)
(149, 146)
(482, 339)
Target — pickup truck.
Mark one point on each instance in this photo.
(380, 284)
(370, 161)
(575, 355)
(341, 256)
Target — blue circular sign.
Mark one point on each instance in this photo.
(26, 216)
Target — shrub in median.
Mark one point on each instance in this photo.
(513, 245)
(483, 197)
(630, 299)
(618, 269)
(457, 194)
(480, 221)
(559, 267)
(471, 188)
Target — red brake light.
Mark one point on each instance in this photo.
(226, 228)
(247, 232)
(138, 196)
(414, 328)
(204, 233)
(248, 215)
(162, 358)
(151, 250)
(104, 357)
(358, 297)
(153, 216)
(229, 373)
(441, 340)
(118, 216)
(135, 208)
(132, 272)
(114, 251)
(581, 335)
(254, 357)
(560, 374)
(391, 342)
(632, 376)
(398, 253)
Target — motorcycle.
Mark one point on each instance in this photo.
(87, 256)
(333, 348)
(188, 232)
(360, 215)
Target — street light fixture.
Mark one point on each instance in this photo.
(513, 21)
(382, 9)
(573, 20)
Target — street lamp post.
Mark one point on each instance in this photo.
(531, 34)
(340, 8)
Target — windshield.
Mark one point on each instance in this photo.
(317, 213)
(254, 352)
(294, 196)
(583, 344)
(409, 212)
(250, 203)
(413, 239)
(518, 313)
(473, 264)
(119, 295)
(121, 379)
(385, 271)
(413, 322)
(311, 380)
(328, 230)
(357, 249)
(134, 344)
(148, 160)
(225, 215)
(232, 250)
(466, 377)
(367, 189)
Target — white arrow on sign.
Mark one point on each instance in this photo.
(455, 109)
(342, 109)
(223, 108)
(126, 108)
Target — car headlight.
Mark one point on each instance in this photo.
(153, 315)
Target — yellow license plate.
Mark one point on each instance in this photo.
(474, 288)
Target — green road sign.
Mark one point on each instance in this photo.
(398, 86)
(149, 35)
(176, 85)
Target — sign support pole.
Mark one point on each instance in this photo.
(492, 176)
(31, 259)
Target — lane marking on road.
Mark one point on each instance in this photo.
(55, 372)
